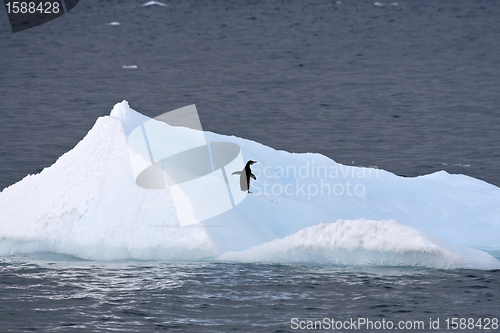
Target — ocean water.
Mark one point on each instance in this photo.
(51, 293)
(411, 88)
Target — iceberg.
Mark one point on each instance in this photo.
(304, 208)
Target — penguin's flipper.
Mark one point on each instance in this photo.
(237, 173)
(244, 181)
(253, 176)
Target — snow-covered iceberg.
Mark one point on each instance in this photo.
(304, 208)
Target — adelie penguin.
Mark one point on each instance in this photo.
(245, 175)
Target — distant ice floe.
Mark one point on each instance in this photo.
(381, 4)
(130, 67)
(153, 3)
(459, 164)
(113, 23)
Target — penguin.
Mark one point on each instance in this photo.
(245, 175)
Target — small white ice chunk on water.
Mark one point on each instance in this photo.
(130, 67)
(153, 3)
(113, 23)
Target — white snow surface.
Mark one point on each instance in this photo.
(87, 205)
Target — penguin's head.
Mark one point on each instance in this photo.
(249, 163)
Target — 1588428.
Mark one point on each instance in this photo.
(471, 323)
(22, 7)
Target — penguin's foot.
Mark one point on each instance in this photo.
(249, 192)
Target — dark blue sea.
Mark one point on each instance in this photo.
(412, 87)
